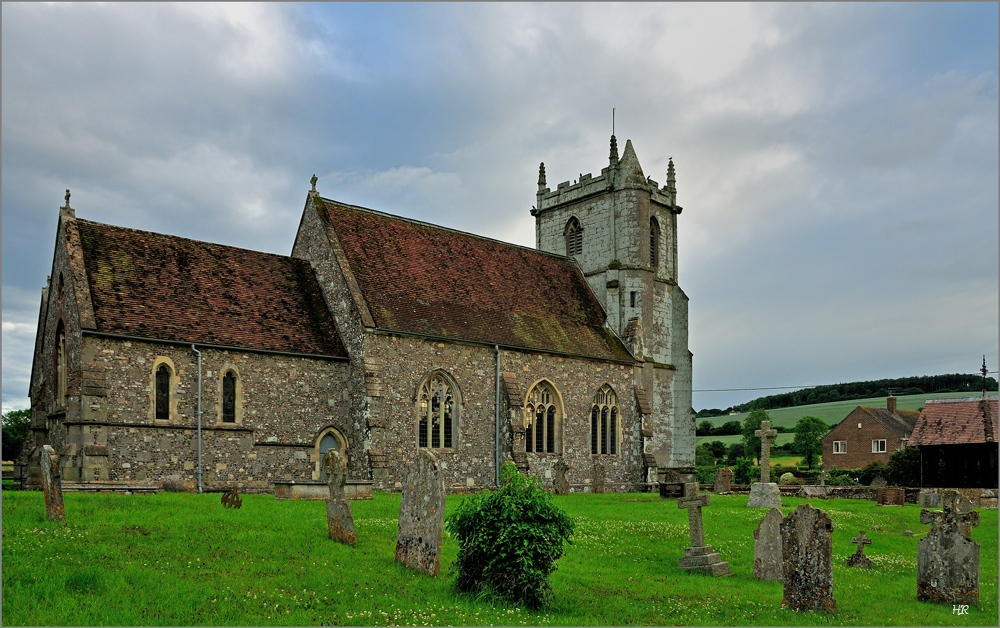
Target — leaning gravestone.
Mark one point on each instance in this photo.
(807, 551)
(878, 482)
(559, 482)
(723, 480)
(765, 494)
(891, 497)
(599, 476)
(52, 484)
(421, 516)
(947, 559)
(699, 557)
(767, 559)
(858, 558)
(339, 516)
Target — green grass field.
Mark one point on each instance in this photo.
(182, 559)
(831, 413)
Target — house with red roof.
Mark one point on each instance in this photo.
(163, 359)
(868, 435)
(958, 442)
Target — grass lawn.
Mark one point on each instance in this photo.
(831, 413)
(182, 559)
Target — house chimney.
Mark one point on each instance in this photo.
(890, 404)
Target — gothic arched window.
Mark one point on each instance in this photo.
(437, 419)
(61, 368)
(654, 242)
(163, 392)
(542, 420)
(574, 237)
(229, 397)
(604, 422)
(329, 438)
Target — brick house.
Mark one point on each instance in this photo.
(868, 435)
(161, 358)
(958, 442)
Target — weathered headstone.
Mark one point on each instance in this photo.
(723, 480)
(559, 482)
(929, 498)
(947, 559)
(891, 497)
(768, 563)
(52, 484)
(822, 478)
(339, 516)
(819, 492)
(858, 558)
(878, 482)
(699, 557)
(807, 551)
(765, 494)
(598, 479)
(421, 516)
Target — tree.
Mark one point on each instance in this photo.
(729, 427)
(705, 428)
(751, 443)
(16, 425)
(734, 452)
(703, 455)
(904, 467)
(718, 448)
(808, 432)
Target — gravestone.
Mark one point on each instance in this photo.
(768, 563)
(339, 516)
(958, 502)
(891, 497)
(421, 516)
(907, 533)
(929, 498)
(858, 559)
(878, 482)
(765, 494)
(807, 552)
(822, 478)
(699, 557)
(723, 480)
(947, 559)
(599, 474)
(560, 483)
(52, 484)
(819, 492)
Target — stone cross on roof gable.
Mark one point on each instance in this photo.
(765, 433)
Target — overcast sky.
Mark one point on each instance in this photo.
(837, 163)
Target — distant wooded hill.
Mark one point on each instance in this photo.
(925, 384)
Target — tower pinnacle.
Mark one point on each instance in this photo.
(541, 176)
(614, 152)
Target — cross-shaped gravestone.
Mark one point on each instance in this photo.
(694, 503)
(765, 433)
(335, 472)
(339, 516)
(859, 559)
(559, 482)
(822, 478)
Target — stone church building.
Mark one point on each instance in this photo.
(160, 358)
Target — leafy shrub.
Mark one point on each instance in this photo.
(785, 478)
(745, 471)
(904, 467)
(703, 455)
(734, 453)
(16, 425)
(706, 474)
(871, 471)
(509, 540)
(843, 477)
(796, 482)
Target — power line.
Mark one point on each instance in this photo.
(781, 387)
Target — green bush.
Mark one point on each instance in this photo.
(904, 467)
(16, 425)
(706, 474)
(745, 471)
(871, 471)
(509, 540)
(843, 477)
(785, 478)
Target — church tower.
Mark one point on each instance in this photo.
(621, 228)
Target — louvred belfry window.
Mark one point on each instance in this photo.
(574, 237)
(654, 243)
(436, 409)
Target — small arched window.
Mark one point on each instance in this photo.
(163, 392)
(329, 438)
(542, 420)
(654, 242)
(436, 413)
(229, 397)
(61, 367)
(574, 237)
(604, 422)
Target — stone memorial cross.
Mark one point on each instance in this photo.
(765, 433)
(699, 557)
(52, 482)
(339, 516)
(694, 503)
(723, 480)
(858, 559)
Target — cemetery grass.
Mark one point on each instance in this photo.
(182, 559)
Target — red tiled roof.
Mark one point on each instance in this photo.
(169, 288)
(957, 421)
(423, 279)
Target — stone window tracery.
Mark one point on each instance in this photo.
(436, 413)
(542, 420)
(604, 422)
(574, 237)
